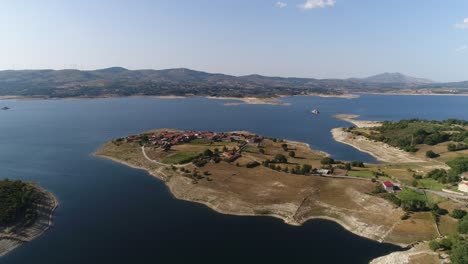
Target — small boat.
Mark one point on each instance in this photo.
(5, 108)
(315, 112)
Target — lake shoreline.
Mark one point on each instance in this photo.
(349, 223)
(276, 101)
(379, 150)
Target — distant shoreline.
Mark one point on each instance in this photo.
(242, 100)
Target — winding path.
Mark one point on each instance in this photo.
(160, 163)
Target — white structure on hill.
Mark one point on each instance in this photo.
(463, 186)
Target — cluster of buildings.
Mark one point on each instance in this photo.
(166, 139)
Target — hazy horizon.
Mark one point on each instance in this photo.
(298, 38)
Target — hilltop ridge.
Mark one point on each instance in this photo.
(118, 81)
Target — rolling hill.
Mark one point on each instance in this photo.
(118, 81)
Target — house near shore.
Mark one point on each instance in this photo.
(323, 171)
(388, 186)
(463, 186)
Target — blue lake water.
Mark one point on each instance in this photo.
(110, 213)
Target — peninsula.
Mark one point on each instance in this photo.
(241, 173)
(428, 162)
(26, 212)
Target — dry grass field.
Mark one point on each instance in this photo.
(232, 188)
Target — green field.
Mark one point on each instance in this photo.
(180, 158)
(251, 149)
(433, 199)
(430, 184)
(411, 195)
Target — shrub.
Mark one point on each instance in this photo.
(459, 253)
(327, 161)
(280, 158)
(378, 188)
(431, 154)
(434, 245)
(252, 164)
(357, 163)
(463, 225)
(458, 213)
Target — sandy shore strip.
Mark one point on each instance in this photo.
(19, 234)
(250, 100)
(381, 151)
(359, 123)
(345, 95)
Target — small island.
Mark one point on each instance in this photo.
(25, 213)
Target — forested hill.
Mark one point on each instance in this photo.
(119, 81)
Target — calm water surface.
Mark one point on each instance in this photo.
(110, 213)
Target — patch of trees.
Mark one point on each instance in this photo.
(357, 163)
(457, 245)
(327, 161)
(443, 176)
(458, 213)
(280, 158)
(463, 225)
(457, 147)
(445, 244)
(252, 164)
(406, 134)
(304, 169)
(459, 253)
(413, 205)
(458, 165)
(205, 157)
(16, 201)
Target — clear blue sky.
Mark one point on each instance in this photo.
(320, 39)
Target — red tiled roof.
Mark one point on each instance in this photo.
(388, 184)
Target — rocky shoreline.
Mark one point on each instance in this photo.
(290, 212)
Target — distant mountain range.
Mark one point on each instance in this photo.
(117, 81)
(396, 78)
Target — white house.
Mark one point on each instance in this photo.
(323, 172)
(463, 186)
(388, 186)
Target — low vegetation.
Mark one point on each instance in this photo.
(407, 134)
